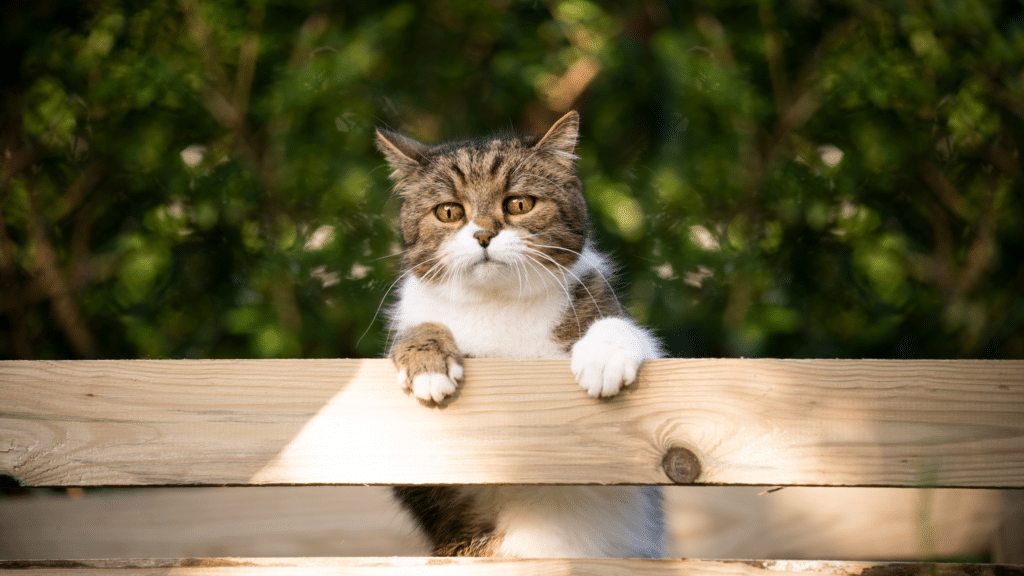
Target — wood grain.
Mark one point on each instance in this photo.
(703, 522)
(773, 422)
(488, 567)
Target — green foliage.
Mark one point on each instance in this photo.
(810, 179)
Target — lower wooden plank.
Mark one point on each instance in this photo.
(356, 521)
(488, 567)
(1008, 539)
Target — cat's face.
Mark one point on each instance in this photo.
(506, 215)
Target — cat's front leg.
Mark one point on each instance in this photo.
(429, 364)
(609, 355)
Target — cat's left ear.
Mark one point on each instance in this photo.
(403, 154)
(561, 138)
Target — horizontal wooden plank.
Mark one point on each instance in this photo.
(513, 567)
(774, 422)
(490, 567)
(702, 522)
(195, 522)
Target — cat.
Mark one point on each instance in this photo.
(499, 263)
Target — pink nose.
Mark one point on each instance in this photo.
(484, 237)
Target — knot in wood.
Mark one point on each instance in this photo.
(681, 465)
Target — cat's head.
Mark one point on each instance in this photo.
(495, 213)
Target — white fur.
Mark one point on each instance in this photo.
(432, 386)
(502, 308)
(506, 307)
(574, 521)
(609, 355)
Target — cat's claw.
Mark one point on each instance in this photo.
(605, 377)
(428, 361)
(607, 358)
(432, 386)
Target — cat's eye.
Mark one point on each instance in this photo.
(516, 205)
(449, 212)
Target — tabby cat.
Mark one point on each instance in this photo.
(499, 263)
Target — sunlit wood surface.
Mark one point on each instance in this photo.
(771, 422)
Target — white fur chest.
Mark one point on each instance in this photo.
(486, 327)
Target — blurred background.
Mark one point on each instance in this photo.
(803, 179)
(797, 179)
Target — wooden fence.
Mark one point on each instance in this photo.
(956, 424)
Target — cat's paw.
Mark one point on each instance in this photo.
(609, 355)
(432, 386)
(429, 365)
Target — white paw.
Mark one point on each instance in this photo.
(608, 357)
(432, 386)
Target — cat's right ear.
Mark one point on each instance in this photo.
(561, 138)
(403, 154)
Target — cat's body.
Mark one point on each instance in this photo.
(499, 264)
(509, 325)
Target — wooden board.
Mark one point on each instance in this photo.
(192, 522)
(772, 422)
(703, 522)
(1008, 540)
(487, 567)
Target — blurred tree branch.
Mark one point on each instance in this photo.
(38, 258)
(222, 102)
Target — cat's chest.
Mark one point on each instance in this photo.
(498, 328)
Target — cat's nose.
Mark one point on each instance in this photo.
(484, 237)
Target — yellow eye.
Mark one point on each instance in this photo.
(449, 212)
(516, 205)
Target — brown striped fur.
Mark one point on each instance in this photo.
(593, 299)
(480, 174)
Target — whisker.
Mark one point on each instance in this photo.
(438, 268)
(521, 263)
(571, 273)
(519, 279)
(399, 253)
(545, 179)
(387, 293)
(453, 273)
(598, 270)
(565, 288)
